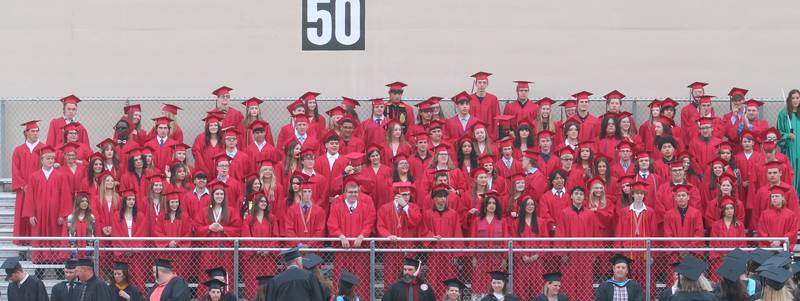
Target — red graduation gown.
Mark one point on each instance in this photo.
(361, 221)
(485, 110)
(231, 227)
(401, 223)
(453, 129)
(521, 111)
(762, 202)
(580, 223)
(266, 152)
(55, 133)
(47, 199)
(180, 227)
(691, 226)
(311, 224)
(162, 154)
(352, 145)
(139, 228)
(778, 223)
(204, 155)
(254, 262)
(23, 163)
(703, 152)
(445, 224)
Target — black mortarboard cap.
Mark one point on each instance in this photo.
(216, 272)
(264, 280)
(214, 284)
(454, 282)
(691, 267)
(85, 262)
(119, 265)
(775, 277)
(290, 254)
(163, 263)
(410, 262)
(732, 268)
(553, 276)
(499, 275)
(619, 258)
(760, 255)
(347, 279)
(70, 264)
(10, 265)
(311, 261)
(738, 253)
(782, 259)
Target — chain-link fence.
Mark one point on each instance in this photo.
(378, 262)
(99, 114)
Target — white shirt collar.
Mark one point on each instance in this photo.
(31, 146)
(23, 279)
(637, 211)
(260, 146)
(554, 190)
(47, 172)
(332, 157)
(354, 205)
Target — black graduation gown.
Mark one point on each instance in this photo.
(135, 293)
(693, 296)
(491, 297)
(294, 284)
(605, 292)
(30, 290)
(542, 297)
(60, 292)
(95, 290)
(229, 297)
(399, 291)
(665, 294)
(176, 290)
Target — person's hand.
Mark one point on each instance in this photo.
(33, 221)
(173, 244)
(791, 136)
(775, 244)
(534, 257)
(56, 165)
(358, 242)
(526, 259)
(474, 262)
(349, 169)
(514, 214)
(345, 242)
(401, 201)
(167, 172)
(473, 211)
(437, 237)
(124, 295)
(392, 237)
(107, 231)
(60, 221)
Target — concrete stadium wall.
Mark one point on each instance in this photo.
(189, 47)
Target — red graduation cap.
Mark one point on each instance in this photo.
(727, 176)
(429, 103)
(402, 187)
(754, 103)
(222, 157)
(127, 193)
(466, 138)
(162, 120)
(627, 179)
(697, 85)
(310, 95)
(642, 155)
(460, 97)
(639, 186)
(294, 105)
(440, 187)
(705, 121)
(574, 119)
(609, 115)
(374, 147)
(530, 154)
(347, 118)
(523, 84)
(132, 108)
(478, 125)
(222, 91)
(491, 194)
(614, 95)
(421, 136)
(737, 91)
(506, 142)
(479, 171)
(505, 120)
(676, 164)
(682, 188)
(666, 121)
(252, 102)
(747, 133)
(135, 152)
(773, 131)
(396, 86)
(336, 111)
(96, 156)
(356, 158)
(486, 159)
(180, 147)
(545, 134)
(517, 176)
(435, 124)
(773, 164)
(595, 180)
(725, 145)
(170, 108)
(442, 148)
(378, 102)
(69, 147)
(706, 98)
(598, 157)
(259, 124)
(566, 151)
(351, 102)
(582, 95)
(718, 161)
(213, 117)
(33, 124)
(778, 189)
(173, 195)
(216, 185)
(481, 75)
(624, 114)
(769, 145)
(727, 200)
(146, 150)
(307, 151)
(654, 104)
(301, 118)
(624, 144)
(71, 99)
(155, 178)
(75, 126)
(350, 180)
(569, 103)
(401, 156)
(586, 144)
(684, 154)
(668, 102)
(545, 101)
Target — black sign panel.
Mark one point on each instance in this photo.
(333, 25)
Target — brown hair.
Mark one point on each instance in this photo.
(789, 102)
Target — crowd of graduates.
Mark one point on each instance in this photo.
(412, 171)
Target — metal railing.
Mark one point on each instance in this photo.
(655, 252)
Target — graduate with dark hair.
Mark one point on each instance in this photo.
(21, 285)
(620, 287)
(410, 283)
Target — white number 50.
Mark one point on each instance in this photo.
(322, 35)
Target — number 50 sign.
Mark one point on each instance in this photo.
(333, 25)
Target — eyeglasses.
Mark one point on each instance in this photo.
(395, 91)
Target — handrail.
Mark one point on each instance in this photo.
(400, 239)
(363, 98)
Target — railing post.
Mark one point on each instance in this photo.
(511, 266)
(3, 138)
(97, 257)
(633, 110)
(236, 269)
(648, 270)
(372, 270)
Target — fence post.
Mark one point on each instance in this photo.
(3, 138)
(236, 269)
(372, 270)
(97, 257)
(649, 271)
(511, 266)
(633, 110)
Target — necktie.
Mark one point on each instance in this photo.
(351, 209)
(378, 121)
(302, 139)
(305, 209)
(410, 293)
(161, 142)
(69, 288)
(558, 193)
(644, 176)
